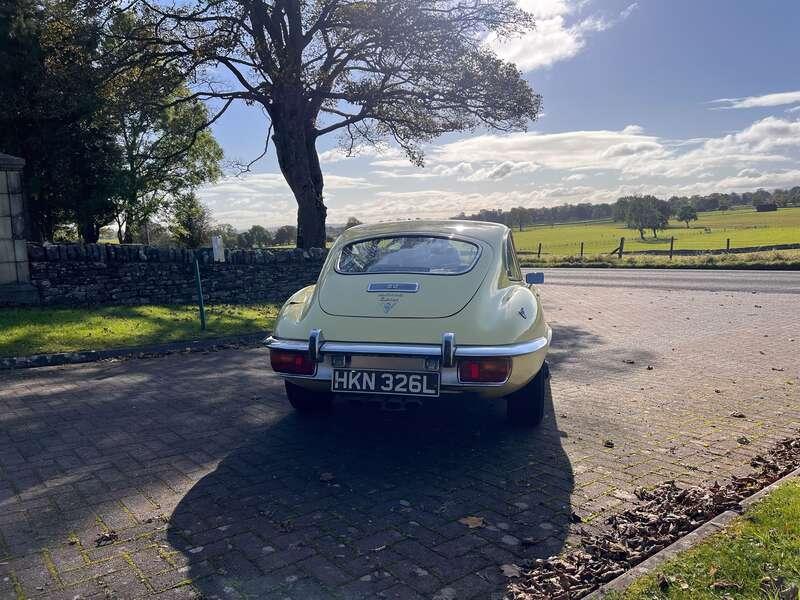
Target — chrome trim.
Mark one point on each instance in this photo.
(279, 344)
(509, 350)
(400, 288)
(448, 349)
(374, 348)
(314, 345)
(429, 350)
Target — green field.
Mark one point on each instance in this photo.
(26, 331)
(745, 227)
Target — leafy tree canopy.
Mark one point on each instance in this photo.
(407, 70)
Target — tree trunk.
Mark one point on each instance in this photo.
(295, 145)
(641, 234)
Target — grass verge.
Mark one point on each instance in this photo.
(28, 331)
(757, 556)
(788, 260)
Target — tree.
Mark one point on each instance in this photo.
(51, 114)
(406, 70)
(687, 213)
(191, 224)
(644, 213)
(256, 237)
(518, 216)
(351, 222)
(285, 235)
(160, 127)
(228, 233)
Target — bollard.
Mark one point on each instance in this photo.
(539, 253)
(621, 246)
(581, 249)
(671, 246)
(728, 244)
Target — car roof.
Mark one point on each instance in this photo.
(482, 230)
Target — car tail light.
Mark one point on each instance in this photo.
(296, 363)
(484, 370)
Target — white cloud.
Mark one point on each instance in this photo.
(765, 101)
(501, 171)
(560, 33)
(487, 171)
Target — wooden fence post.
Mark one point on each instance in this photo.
(539, 253)
(621, 246)
(671, 246)
(581, 249)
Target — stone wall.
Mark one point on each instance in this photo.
(102, 274)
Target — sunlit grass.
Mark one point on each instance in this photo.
(745, 227)
(782, 259)
(26, 331)
(744, 561)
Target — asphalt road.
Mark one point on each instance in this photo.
(772, 282)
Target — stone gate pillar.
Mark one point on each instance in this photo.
(15, 277)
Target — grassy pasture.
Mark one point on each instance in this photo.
(744, 226)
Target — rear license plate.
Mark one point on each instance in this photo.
(370, 381)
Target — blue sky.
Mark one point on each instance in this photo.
(655, 96)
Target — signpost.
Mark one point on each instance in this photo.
(200, 294)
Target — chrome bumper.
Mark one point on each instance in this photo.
(447, 353)
(410, 350)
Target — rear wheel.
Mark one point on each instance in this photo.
(307, 401)
(526, 406)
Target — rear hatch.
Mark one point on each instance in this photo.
(432, 287)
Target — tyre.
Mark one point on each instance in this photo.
(525, 407)
(308, 401)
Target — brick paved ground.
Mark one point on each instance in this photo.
(214, 487)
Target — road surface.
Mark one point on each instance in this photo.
(707, 280)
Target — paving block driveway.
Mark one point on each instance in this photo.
(214, 488)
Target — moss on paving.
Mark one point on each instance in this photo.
(752, 558)
(27, 331)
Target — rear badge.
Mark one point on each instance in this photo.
(407, 288)
(388, 306)
(522, 313)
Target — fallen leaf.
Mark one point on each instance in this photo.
(628, 361)
(472, 522)
(106, 538)
(510, 570)
(725, 585)
(743, 440)
(737, 415)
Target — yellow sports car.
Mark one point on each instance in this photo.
(404, 312)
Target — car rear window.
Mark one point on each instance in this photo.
(408, 254)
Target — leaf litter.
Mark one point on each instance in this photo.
(661, 516)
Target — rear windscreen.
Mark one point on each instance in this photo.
(408, 254)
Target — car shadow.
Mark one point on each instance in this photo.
(359, 503)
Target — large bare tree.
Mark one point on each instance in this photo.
(370, 70)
